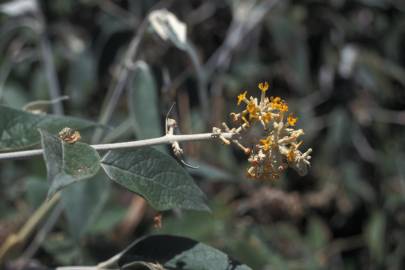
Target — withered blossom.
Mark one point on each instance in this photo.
(278, 149)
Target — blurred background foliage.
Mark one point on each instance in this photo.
(339, 63)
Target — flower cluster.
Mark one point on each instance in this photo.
(278, 149)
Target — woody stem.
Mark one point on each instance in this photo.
(166, 139)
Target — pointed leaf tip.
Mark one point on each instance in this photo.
(156, 177)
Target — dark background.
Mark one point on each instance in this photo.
(340, 64)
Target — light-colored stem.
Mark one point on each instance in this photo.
(108, 264)
(167, 139)
(77, 268)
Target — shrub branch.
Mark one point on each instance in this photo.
(166, 139)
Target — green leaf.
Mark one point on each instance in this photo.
(143, 103)
(13, 95)
(36, 190)
(375, 235)
(81, 78)
(67, 163)
(83, 203)
(156, 177)
(113, 214)
(62, 248)
(215, 224)
(19, 129)
(175, 252)
(317, 233)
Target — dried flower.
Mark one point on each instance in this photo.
(157, 221)
(69, 135)
(278, 149)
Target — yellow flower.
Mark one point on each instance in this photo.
(275, 100)
(292, 120)
(266, 143)
(242, 97)
(252, 109)
(266, 117)
(283, 107)
(263, 86)
(278, 104)
(278, 149)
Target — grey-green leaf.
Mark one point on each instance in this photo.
(375, 235)
(83, 203)
(19, 129)
(143, 103)
(67, 163)
(175, 252)
(156, 177)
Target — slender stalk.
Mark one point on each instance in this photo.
(167, 139)
(114, 92)
(78, 268)
(40, 236)
(117, 87)
(16, 239)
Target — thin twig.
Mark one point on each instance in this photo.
(41, 235)
(116, 88)
(108, 264)
(167, 139)
(238, 30)
(114, 92)
(16, 239)
(78, 268)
